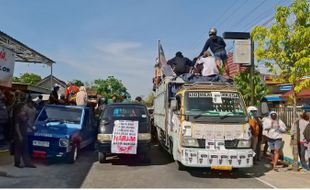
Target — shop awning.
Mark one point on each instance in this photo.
(274, 98)
(23, 52)
(304, 93)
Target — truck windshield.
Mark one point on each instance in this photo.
(219, 104)
(57, 114)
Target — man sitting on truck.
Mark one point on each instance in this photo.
(210, 67)
(180, 64)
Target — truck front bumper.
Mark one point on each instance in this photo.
(217, 159)
(105, 146)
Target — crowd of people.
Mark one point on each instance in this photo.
(267, 133)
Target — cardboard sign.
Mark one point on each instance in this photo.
(7, 61)
(125, 137)
(216, 98)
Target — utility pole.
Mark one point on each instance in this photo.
(252, 73)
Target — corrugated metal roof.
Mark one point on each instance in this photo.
(23, 52)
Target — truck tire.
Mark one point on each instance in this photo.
(180, 166)
(73, 155)
(145, 157)
(102, 158)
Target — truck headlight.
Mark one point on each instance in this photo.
(189, 142)
(63, 142)
(101, 129)
(144, 136)
(104, 137)
(244, 144)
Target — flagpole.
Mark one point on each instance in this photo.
(158, 50)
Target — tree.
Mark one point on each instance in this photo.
(285, 48)
(109, 87)
(28, 78)
(242, 81)
(78, 83)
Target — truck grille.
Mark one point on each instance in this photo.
(229, 144)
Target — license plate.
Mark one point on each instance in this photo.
(41, 143)
(221, 167)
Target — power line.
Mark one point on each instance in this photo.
(214, 22)
(227, 18)
(260, 16)
(251, 12)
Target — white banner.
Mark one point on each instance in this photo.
(125, 137)
(7, 62)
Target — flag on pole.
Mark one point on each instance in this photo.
(166, 69)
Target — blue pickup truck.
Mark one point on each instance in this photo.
(62, 131)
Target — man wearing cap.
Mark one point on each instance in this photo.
(180, 64)
(274, 128)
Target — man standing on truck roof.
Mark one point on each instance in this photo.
(217, 46)
(180, 64)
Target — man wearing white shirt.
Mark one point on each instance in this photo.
(210, 68)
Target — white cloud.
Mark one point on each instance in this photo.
(130, 62)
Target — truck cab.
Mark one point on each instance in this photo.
(203, 124)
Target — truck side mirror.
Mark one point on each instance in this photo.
(173, 105)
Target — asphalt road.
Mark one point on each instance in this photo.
(56, 175)
(162, 172)
(127, 172)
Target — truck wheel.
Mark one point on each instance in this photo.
(145, 157)
(73, 155)
(102, 157)
(180, 166)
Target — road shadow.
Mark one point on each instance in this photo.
(58, 174)
(158, 156)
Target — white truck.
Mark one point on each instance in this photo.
(203, 124)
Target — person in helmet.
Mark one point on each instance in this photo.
(256, 129)
(217, 46)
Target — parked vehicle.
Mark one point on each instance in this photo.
(131, 112)
(62, 131)
(203, 124)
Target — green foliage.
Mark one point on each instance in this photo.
(78, 83)
(242, 80)
(149, 100)
(28, 78)
(109, 87)
(285, 46)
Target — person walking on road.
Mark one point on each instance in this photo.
(274, 127)
(82, 97)
(299, 128)
(255, 129)
(21, 140)
(306, 134)
(217, 46)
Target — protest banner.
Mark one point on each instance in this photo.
(7, 61)
(125, 137)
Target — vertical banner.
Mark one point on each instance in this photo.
(125, 137)
(7, 61)
(166, 69)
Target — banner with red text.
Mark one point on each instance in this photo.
(7, 61)
(125, 137)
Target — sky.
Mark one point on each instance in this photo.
(95, 39)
